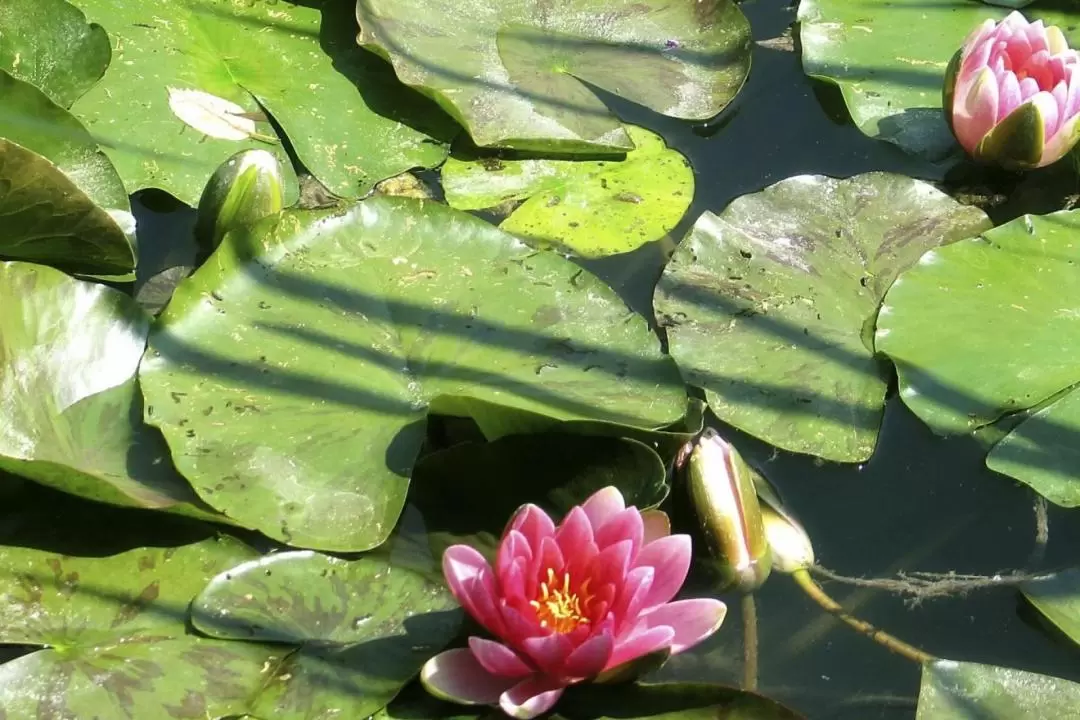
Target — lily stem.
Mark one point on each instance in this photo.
(818, 594)
(750, 642)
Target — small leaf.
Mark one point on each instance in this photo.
(969, 691)
(1058, 598)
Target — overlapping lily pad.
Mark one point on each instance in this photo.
(590, 207)
(1058, 598)
(71, 409)
(952, 690)
(49, 44)
(889, 59)
(364, 627)
(291, 374)
(988, 327)
(769, 305)
(515, 73)
(339, 106)
(115, 628)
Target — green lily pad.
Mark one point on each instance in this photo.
(49, 44)
(1058, 598)
(364, 627)
(71, 408)
(985, 328)
(339, 106)
(291, 374)
(464, 493)
(115, 628)
(590, 207)
(889, 60)
(969, 691)
(516, 73)
(768, 305)
(670, 701)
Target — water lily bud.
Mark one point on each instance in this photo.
(1012, 94)
(722, 489)
(788, 541)
(246, 188)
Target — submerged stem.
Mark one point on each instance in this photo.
(818, 594)
(750, 642)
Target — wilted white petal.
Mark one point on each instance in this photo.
(211, 115)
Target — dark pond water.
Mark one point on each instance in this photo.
(922, 503)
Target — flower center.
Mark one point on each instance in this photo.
(558, 608)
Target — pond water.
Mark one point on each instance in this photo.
(922, 503)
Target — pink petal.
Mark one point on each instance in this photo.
(549, 558)
(513, 581)
(623, 525)
(531, 697)
(1028, 88)
(1008, 96)
(1048, 110)
(656, 524)
(611, 565)
(498, 659)
(455, 675)
(1061, 143)
(642, 641)
(519, 624)
(533, 523)
(632, 598)
(691, 620)
(976, 113)
(670, 558)
(603, 504)
(575, 539)
(472, 583)
(548, 651)
(1072, 104)
(590, 657)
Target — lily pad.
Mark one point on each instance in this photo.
(364, 627)
(72, 411)
(969, 691)
(889, 60)
(517, 73)
(339, 106)
(589, 207)
(291, 374)
(49, 44)
(670, 701)
(988, 327)
(1058, 598)
(768, 305)
(464, 495)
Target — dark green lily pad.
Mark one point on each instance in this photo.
(364, 627)
(72, 412)
(670, 701)
(889, 60)
(291, 374)
(1058, 598)
(768, 305)
(515, 72)
(969, 691)
(988, 327)
(589, 207)
(339, 106)
(553, 470)
(116, 631)
(49, 44)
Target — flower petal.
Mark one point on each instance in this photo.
(642, 641)
(632, 598)
(603, 504)
(975, 113)
(498, 659)
(456, 676)
(472, 582)
(623, 525)
(533, 523)
(670, 557)
(691, 620)
(590, 657)
(656, 525)
(548, 651)
(531, 697)
(575, 539)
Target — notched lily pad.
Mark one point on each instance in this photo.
(291, 374)
(590, 207)
(769, 305)
(961, 691)
(515, 72)
(364, 627)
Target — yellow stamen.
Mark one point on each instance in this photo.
(558, 607)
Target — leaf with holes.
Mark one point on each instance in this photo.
(988, 327)
(350, 122)
(889, 60)
(516, 73)
(769, 305)
(291, 374)
(590, 207)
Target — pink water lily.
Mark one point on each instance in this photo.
(1012, 93)
(568, 603)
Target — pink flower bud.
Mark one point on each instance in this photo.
(1012, 94)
